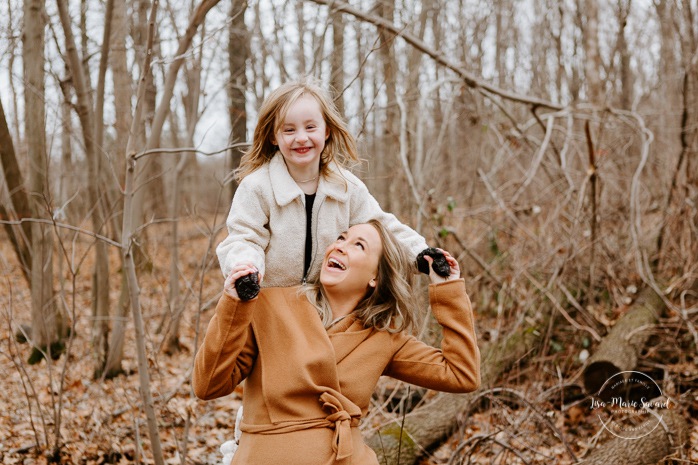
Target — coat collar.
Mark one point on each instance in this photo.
(286, 190)
(346, 335)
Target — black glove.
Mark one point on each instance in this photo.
(247, 287)
(440, 265)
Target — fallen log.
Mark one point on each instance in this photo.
(665, 438)
(404, 441)
(619, 350)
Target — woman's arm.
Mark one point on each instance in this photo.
(229, 348)
(456, 367)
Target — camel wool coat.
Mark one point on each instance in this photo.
(307, 387)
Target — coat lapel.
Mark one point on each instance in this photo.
(346, 335)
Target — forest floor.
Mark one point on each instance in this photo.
(102, 421)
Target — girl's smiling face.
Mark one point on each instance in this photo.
(301, 135)
(351, 263)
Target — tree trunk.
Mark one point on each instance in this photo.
(128, 238)
(48, 325)
(145, 197)
(100, 276)
(12, 49)
(337, 60)
(300, 46)
(619, 350)
(122, 123)
(664, 440)
(238, 52)
(190, 102)
(100, 290)
(592, 54)
(501, 42)
(626, 74)
(425, 427)
(574, 78)
(559, 57)
(151, 171)
(690, 126)
(19, 202)
(385, 9)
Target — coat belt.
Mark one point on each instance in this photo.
(338, 419)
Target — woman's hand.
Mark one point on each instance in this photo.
(238, 271)
(455, 269)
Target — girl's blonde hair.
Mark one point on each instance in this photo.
(340, 146)
(387, 306)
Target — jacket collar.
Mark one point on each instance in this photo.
(286, 190)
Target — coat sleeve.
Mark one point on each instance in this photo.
(228, 351)
(365, 207)
(248, 232)
(456, 366)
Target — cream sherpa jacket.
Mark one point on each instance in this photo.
(266, 223)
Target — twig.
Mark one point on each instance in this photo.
(502, 205)
(62, 226)
(545, 419)
(592, 198)
(476, 439)
(537, 160)
(402, 428)
(514, 451)
(187, 150)
(486, 268)
(403, 152)
(559, 307)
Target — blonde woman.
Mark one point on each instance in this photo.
(312, 355)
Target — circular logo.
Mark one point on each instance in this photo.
(627, 405)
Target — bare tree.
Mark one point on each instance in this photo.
(130, 221)
(238, 53)
(123, 94)
(88, 122)
(19, 203)
(626, 78)
(390, 128)
(337, 60)
(48, 321)
(185, 162)
(592, 53)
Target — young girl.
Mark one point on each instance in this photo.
(295, 193)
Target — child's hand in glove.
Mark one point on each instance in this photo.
(439, 263)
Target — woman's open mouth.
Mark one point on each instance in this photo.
(334, 263)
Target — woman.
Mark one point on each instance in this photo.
(312, 356)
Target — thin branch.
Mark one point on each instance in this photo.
(63, 226)
(537, 160)
(470, 79)
(188, 150)
(559, 307)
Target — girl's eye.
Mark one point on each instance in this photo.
(288, 130)
(360, 245)
(310, 128)
(340, 238)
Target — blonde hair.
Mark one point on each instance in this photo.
(340, 146)
(387, 306)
